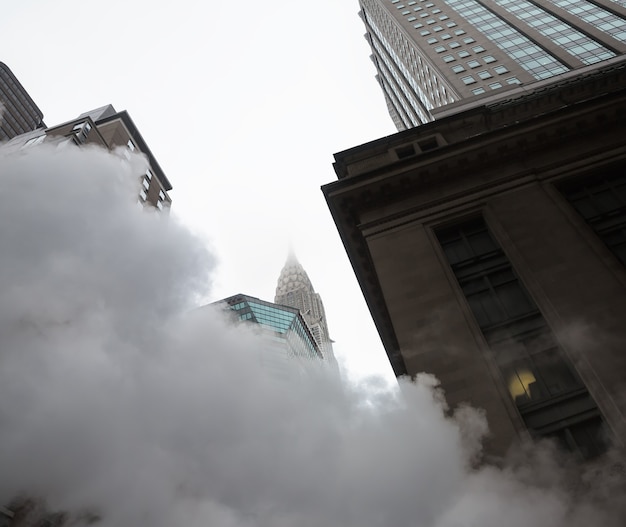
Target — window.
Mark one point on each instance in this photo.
(495, 85)
(468, 40)
(458, 68)
(500, 70)
(418, 25)
(143, 195)
(424, 32)
(145, 183)
(161, 195)
(513, 80)
(436, 29)
(131, 145)
(531, 365)
(430, 22)
(440, 49)
(459, 32)
(488, 59)
(445, 36)
(432, 40)
(478, 91)
(451, 24)
(34, 141)
(463, 54)
(468, 80)
(454, 45)
(601, 201)
(484, 75)
(149, 174)
(478, 49)
(411, 19)
(448, 58)
(473, 64)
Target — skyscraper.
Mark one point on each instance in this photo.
(18, 112)
(490, 246)
(431, 53)
(295, 289)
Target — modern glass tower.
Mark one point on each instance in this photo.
(287, 335)
(430, 53)
(295, 289)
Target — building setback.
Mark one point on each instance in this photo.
(431, 53)
(490, 246)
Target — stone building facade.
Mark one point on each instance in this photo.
(490, 246)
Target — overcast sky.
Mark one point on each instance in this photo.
(243, 104)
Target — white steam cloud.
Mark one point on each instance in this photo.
(115, 404)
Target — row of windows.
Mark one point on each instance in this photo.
(531, 57)
(402, 77)
(473, 64)
(595, 16)
(576, 43)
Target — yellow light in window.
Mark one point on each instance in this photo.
(520, 382)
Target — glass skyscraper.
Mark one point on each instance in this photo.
(286, 333)
(430, 53)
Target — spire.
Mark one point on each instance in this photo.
(292, 278)
(296, 290)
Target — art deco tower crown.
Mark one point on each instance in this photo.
(295, 289)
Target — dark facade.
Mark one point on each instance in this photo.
(490, 246)
(19, 112)
(430, 53)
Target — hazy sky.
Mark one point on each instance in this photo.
(243, 104)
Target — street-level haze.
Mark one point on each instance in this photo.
(120, 401)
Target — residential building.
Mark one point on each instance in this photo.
(295, 289)
(431, 53)
(288, 339)
(490, 246)
(113, 130)
(18, 112)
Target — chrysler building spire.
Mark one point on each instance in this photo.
(295, 289)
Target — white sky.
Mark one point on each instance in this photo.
(243, 104)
